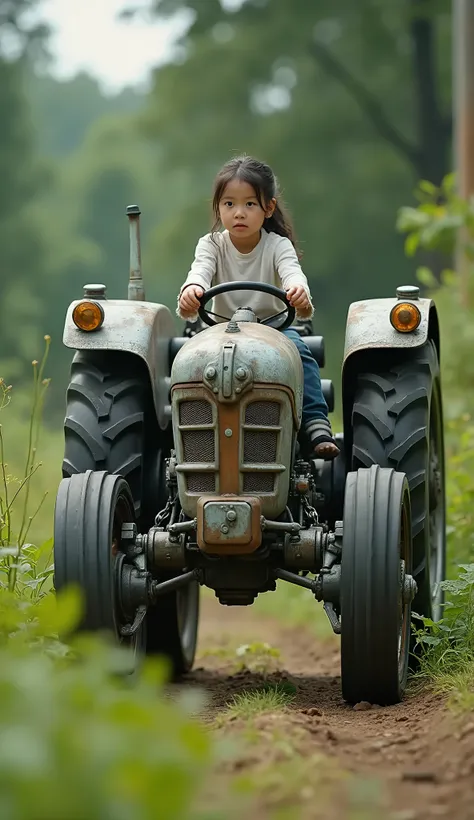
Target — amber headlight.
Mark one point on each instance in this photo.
(405, 317)
(88, 316)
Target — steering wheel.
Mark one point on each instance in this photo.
(261, 287)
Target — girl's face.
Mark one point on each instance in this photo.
(241, 213)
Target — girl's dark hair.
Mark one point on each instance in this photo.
(264, 182)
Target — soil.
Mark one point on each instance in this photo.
(411, 761)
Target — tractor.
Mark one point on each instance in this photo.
(185, 465)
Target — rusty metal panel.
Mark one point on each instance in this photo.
(368, 326)
(229, 525)
(142, 328)
(229, 472)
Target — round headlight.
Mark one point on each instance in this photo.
(88, 316)
(405, 317)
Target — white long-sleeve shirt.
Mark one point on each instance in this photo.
(273, 261)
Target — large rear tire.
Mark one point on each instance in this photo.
(375, 605)
(397, 422)
(111, 425)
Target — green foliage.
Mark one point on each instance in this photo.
(460, 492)
(64, 110)
(23, 178)
(76, 740)
(257, 657)
(18, 559)
(442, 221)
(448, 657)
(434, 224)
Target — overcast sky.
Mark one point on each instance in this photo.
(87, 35)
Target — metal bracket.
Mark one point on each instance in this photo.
(163, 587)
(333, 619)
(131, 629)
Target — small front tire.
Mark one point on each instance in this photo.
(376, 581)
(90, 510)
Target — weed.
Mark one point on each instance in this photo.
(20, 560)
(447, 658)
(266, 699)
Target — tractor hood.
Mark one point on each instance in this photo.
(231, 358)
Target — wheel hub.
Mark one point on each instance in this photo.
(408, 586)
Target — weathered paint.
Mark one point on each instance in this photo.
(142, 328)
(218, 534)
(220, 525)
(267, 355)
(368, 326)
(229, 467)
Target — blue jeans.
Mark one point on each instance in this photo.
(314, 403)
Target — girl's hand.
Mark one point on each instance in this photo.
(189, 300)
(298, 297)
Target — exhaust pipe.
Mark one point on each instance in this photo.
(135, 284)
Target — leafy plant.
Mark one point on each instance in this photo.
(435, 222)
(460, 492)
(448, 645)
(441, 222)
(75, 740)
(257, 657)
(20, 561)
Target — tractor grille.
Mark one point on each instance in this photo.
(250, 461)
(195, 412)
(263, 413)
(258, 482)
(201, 483)
(198, 446)
(260, 445)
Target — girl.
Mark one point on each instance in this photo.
(257, 245)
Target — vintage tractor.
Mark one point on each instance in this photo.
(184, 466)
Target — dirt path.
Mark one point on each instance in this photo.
(407, 762)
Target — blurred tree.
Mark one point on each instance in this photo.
(64, 110)
(87, 241)
(21, 260)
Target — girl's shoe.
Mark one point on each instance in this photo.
(320, 435)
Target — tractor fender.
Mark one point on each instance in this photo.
(368, 326)
(368, 334)
(142, 328)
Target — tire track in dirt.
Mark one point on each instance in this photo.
(421, 755)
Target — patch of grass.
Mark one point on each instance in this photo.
(267, 699)
(447, 660)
